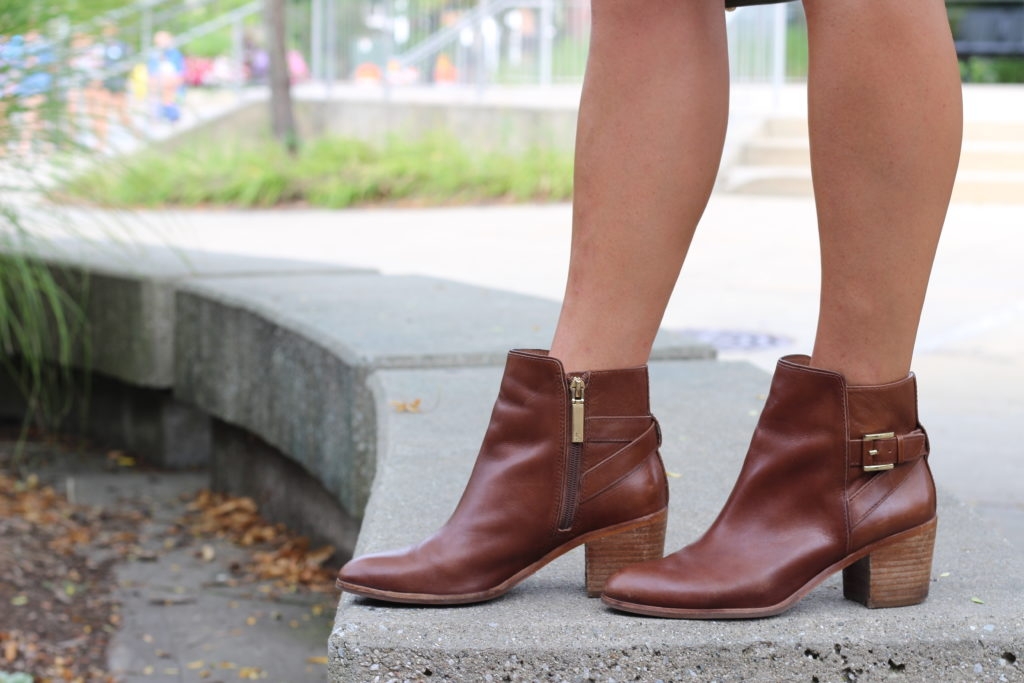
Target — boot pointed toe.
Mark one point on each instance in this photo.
(374, 575)
(636, 584)
(566, 460)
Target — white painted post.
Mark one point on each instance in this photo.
(238, 56)
(479, 53)
(316, 32)
(330, 30)
(547, 37)
(385, 73)
(779, 52)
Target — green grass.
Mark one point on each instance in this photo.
(331, 172)
(796, 50)
(992, 70)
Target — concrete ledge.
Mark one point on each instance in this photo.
(245, 465)
(290, 359)
(128, 296)
(283, 350)
(547, 629)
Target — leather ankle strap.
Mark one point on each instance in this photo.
(877, 452)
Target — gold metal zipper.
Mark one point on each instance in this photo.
(577, 387)
(570, 496)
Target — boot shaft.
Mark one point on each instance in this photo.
(877, 449)
(589, 431)
(834, 475)
(567, 459)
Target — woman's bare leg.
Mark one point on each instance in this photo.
(651, 127)
(886, 122)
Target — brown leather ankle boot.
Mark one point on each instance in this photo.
(836, 478)
(566, 460)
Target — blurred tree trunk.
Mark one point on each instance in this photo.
(282, 113)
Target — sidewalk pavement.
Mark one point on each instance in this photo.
(185, 616)
(750, 284)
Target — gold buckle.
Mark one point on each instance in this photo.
(874, 451)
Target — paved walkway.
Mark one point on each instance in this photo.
(752, 270)
(187, 613)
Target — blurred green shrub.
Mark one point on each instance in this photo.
(330, 172)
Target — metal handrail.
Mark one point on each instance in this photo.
(226, 19)
(121, 14)
(432, 45)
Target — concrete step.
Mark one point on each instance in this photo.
(291, 359)
(983, 155)
(971, 185)
(970, 628)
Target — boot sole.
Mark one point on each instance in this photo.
(654, 519)
(857, 580)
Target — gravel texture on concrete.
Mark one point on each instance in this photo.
(971, 628)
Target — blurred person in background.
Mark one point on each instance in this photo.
(31, 61)
(84, 95)
(115, 56)
(166, 66)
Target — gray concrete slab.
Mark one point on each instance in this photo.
(407, 321)
(970, 628)
(122, 257)
(128, 296)
(127, 293)
(288, 359)
(245, 465)
(183, 617)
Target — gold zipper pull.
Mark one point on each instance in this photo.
(576, 387)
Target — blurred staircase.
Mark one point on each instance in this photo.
(776, 161)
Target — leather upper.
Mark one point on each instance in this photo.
(508, 516)
(802, 501)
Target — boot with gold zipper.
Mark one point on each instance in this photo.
(567, 460)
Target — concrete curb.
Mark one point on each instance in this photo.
(185, 340)
(127, 292)
(546, 629)
(291, 359)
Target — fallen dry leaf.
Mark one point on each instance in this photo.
(288, 560)
(407, 406)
